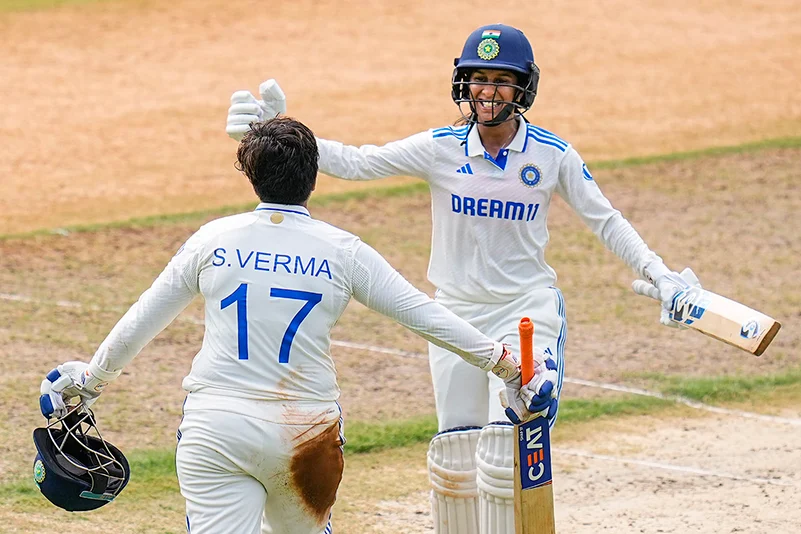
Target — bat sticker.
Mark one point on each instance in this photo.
(535, 453)
(750, 330)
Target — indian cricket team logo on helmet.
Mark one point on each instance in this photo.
(39, 472)
(530, 175)
(488, 49)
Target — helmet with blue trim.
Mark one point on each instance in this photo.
(499, 47)
(75, 468)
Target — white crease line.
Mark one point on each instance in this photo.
(416, 355)
(22, 298)
(687, 402)
(348, 344)
(671, 467)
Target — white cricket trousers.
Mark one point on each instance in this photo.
(235, 470)
(467, 396)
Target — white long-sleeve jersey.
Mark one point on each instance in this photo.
(275, 281)
(489, 215)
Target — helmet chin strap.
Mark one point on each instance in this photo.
(502, 117)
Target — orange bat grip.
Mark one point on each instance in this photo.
(526, 330)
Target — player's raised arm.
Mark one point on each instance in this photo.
(413, 156)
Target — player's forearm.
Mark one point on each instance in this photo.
(369, 162)
(435, 323)
(152, 313)
(620, 237)
(579, 189)
(381, 288)
(352, 163)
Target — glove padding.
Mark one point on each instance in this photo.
(66, 382)
(245, 109)
(538, 398)
(668, 288)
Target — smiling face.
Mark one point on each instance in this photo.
(492, 90)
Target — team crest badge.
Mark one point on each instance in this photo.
(530, 175)
(38, 472)
(488, 49)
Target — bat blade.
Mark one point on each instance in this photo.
(719, 317)
(725, 320)
(533, 491)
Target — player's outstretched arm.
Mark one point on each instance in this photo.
(171, 292)
(577, 186)
(412, 156)
(380, 287)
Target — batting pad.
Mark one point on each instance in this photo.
(495, 469)
(452, 471)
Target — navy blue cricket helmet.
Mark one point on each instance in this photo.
(501, 47)
(75, 470)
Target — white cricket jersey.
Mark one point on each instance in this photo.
(275, 281)
(489, 215)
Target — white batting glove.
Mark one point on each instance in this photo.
(66, 382)
(245, 108)
(674, 290)
(538, 398)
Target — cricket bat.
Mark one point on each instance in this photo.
(719, 317)
(534, 513)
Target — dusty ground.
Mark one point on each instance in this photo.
(117, 109)
(646, 475)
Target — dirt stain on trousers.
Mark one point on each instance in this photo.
(316, 471)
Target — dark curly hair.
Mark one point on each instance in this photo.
(279, 157)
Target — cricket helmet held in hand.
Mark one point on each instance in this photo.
(500, 47)
(75, 468)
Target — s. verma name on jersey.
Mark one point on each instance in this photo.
(269, 262)
(490, 207)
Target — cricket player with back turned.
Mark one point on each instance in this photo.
(260, 444)
(492, 177)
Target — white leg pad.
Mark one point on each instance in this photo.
(495, 469)
(452, 472)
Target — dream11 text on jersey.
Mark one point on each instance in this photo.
(497, 209)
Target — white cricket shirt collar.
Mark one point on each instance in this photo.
(474, 147)
(283, 208)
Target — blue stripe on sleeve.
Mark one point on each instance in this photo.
(545, 141)
(548, 135)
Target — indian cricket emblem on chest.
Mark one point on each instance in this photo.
(530, 175)
(38, 472)
(488, 49)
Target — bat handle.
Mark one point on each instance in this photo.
(526, 330)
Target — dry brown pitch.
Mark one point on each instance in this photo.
(117, 109)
